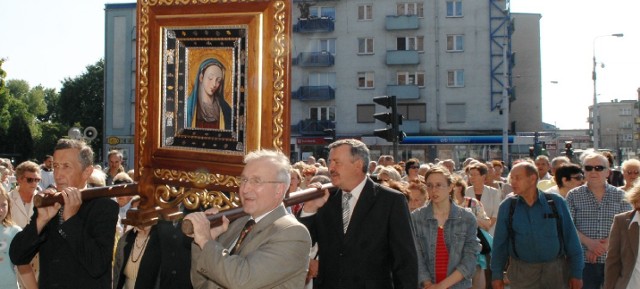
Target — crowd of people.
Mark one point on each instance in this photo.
(407, 224)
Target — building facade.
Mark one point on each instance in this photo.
(618, 127)
(120, 81)
(448, 62)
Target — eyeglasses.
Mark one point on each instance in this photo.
(632, 172)
(577, 178)
(31, 180)
(256, 181)
(436, 186)
(597, 168)
(414, 167)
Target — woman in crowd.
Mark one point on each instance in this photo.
(417, 193)
(296, 179)
(489, 196)
(567, 177)
(621, 265)
(472, 204)
(452, 261)
(411, 167)
(8, 230)
(630, 171)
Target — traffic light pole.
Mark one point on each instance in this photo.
(395, 127)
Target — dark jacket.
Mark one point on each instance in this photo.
(377, 251)
(73, 254)
(165, 263)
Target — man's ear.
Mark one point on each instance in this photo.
(86, 173)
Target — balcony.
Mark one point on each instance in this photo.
(402, 22)
(399, 57)
(637, 120)
(313, 25)
(404, 91)
(314, 59)
(320, 92)
(313, 126)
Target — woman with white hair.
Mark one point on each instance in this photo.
(630, 172)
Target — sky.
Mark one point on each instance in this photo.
(45, 42)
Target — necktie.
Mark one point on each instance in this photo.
(345, 210)
(247, 228)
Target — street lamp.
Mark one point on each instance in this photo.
(596, 118)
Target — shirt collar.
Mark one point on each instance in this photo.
(358, 189)
(635, 219)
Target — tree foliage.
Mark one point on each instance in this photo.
(82, 100)
(33, 119)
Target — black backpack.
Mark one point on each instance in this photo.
(554, 215)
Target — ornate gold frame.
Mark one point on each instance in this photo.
(169, 176)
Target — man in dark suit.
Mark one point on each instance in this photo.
(75, 241)
(368, 242)
(267, 249)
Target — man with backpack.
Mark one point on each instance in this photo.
(535, 234)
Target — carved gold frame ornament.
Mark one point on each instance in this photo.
(153, 171)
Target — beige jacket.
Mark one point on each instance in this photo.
(275, 254)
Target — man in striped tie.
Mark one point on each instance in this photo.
(363, 230)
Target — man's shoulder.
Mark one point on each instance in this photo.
(102, 203)
(384, 190)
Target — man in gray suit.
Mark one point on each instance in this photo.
(273, 253)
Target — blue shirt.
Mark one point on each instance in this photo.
(535, 235)
(592, 218)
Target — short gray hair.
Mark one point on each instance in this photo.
(278, 159)
(359, 150)
(86, 153)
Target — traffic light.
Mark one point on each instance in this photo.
(392, 119)
(330, 135)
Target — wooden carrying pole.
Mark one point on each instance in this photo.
(236, 213)
(45, 200)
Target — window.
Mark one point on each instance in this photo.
(410, 43)
(365, 12)
(626, 124)
(410, 78)
(365, 45)
(455, 42)
(456, 112)
(625, 111)
(455, 78)
(364, 113)
(454, 8)
(322, 113)
(328, 45)
(627, 137)
(322, 78)
(413, 111)
(411, 9)
(320, 11)
(365, 79)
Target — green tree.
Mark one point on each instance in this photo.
(21, 140)
(18, 88)
(81, 101)
(44, 145)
